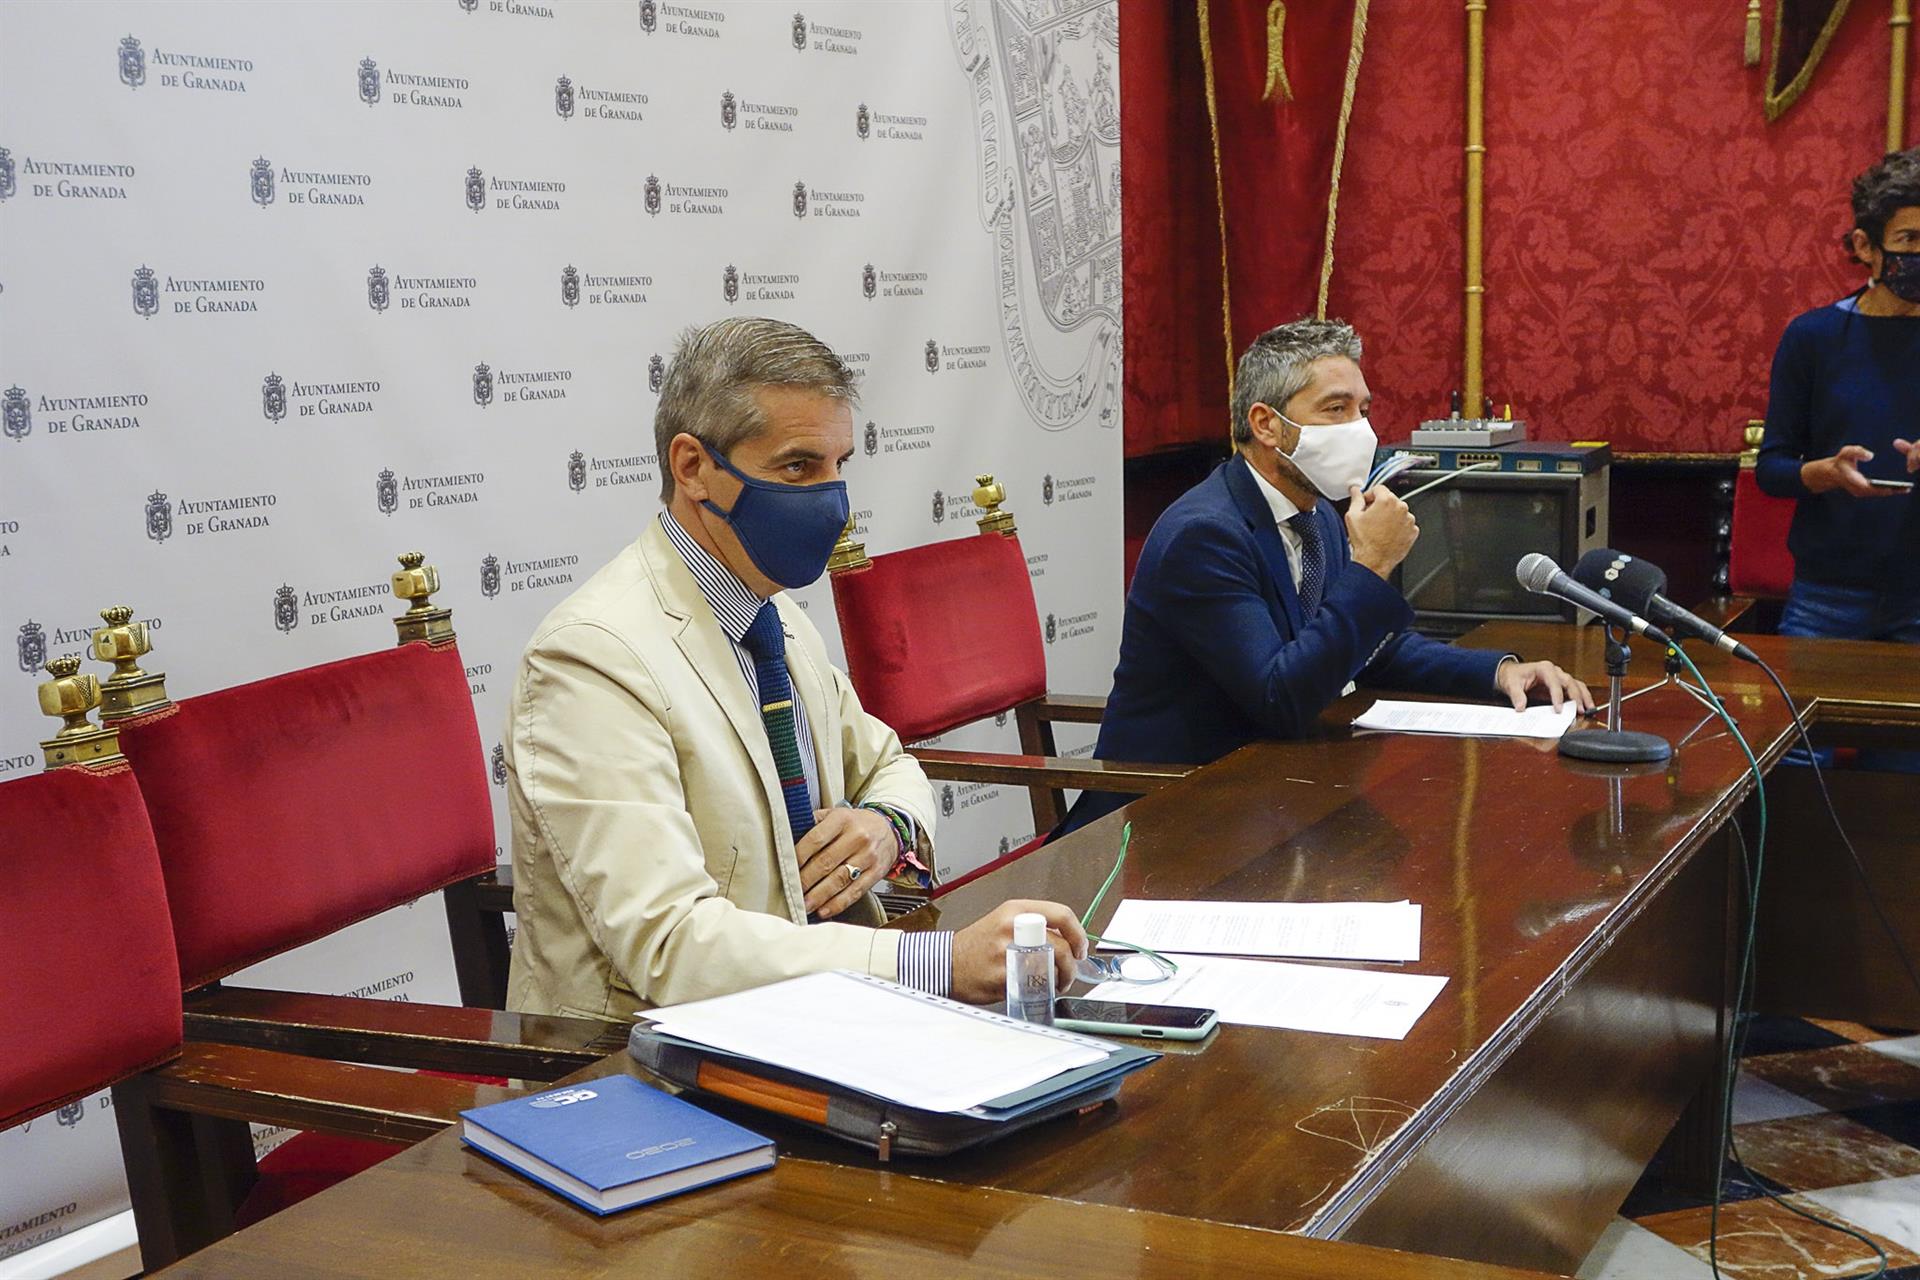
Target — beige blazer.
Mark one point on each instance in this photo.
(652, 860)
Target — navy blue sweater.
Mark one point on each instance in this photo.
(1842, 378)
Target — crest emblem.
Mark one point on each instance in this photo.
(499, 765)
(386, 492)
(470, 5)
(933, 356)
(490, 577)
(379, 293)
(729, 111)
(146, 292)
(1006, 845)
(262, 181)
(159, 517)
(286, 608)
(16, 414)
(570, 286)
(70, 1115)
(870, 281)
(32, 642)
(273, 398)
(7, 187)
(649, 15)
(946, 800)
(133, 63)
(799, 199)
(576, 471)
(730, 284)
(800, 31)
(1046, 489)
(862, 121)
(939, 506)
(873, 439)
(482, 385)
(1000, 720)
(656, 373)
(653, 194)
(369, 81)
(563, 98)
(476, 190)
(1053, 628)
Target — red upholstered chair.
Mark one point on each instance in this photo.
(1759, 566)
(284, 810)
(87, 971)
(942, 635)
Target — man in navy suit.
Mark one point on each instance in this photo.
(1255, 603)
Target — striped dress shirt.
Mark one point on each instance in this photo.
(926, 958)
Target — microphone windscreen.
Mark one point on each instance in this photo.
(1535, 571)
(1627, 580)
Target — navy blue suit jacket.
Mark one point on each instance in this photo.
(1214, 652)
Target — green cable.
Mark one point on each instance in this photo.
(1126, 838)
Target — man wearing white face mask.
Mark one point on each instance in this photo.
(1256, 603)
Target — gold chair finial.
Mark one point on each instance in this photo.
(71, 696)
(849, 555)
(415, 583)
(988, 496)
(129, 691)
(1750, 438)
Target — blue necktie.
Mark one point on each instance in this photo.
(768, 645)
(1313, 562)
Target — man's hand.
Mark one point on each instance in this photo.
(1910, 449)
(842, 838)
(1381, 529)
(980, 950)
(1541, 681)
(1842, 472)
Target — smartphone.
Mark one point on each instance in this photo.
(1903, 485)
(1114, 1018)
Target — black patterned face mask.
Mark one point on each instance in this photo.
(1900, 272)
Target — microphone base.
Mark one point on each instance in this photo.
(1615, 746)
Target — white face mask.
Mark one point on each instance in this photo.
(1333, 456)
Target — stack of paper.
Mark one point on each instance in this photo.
(1308, 930)
(1466, 719)
(883, 1039)
(1297, 997)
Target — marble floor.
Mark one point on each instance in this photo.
(1827, 1118)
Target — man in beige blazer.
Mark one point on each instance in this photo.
(699, 803)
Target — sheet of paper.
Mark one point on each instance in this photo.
(883, 1039)
(1466, 719)
(1308, 930)
(1297, 997)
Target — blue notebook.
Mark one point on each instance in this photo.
(613, 1143)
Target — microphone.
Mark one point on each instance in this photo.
(1639, 587)
(1540, 575)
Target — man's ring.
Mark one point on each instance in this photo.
(853, 872)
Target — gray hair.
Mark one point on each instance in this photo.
(708, 390)
(1279, 364)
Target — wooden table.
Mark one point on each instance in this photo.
(1581, 914)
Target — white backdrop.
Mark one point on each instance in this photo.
(289, 288)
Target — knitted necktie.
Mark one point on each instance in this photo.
(1313, 562)
(768, 645)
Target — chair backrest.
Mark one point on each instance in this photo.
(291, 807)
(942, 635)
(87, 969)
(1758, 562)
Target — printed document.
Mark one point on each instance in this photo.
(1308, 930)
(882, 1038)
(1466, 719)
(1297, 997)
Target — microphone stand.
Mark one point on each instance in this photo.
(1673, 677)
(1613, 744)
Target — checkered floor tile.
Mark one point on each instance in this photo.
(1827, 1119)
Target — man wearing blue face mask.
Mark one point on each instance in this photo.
(699, 803)
(1256, 603)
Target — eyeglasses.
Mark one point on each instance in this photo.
(1139, 966)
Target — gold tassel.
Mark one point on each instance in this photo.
(1277, 53)
(1753, 33)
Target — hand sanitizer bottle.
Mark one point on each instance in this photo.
(1030, 970)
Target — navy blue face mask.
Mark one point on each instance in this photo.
(1900, 272)
(787, 530)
